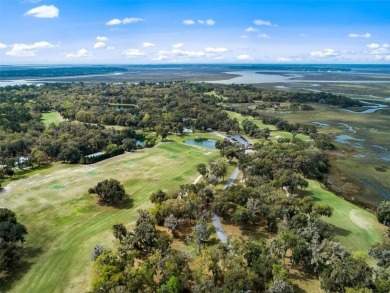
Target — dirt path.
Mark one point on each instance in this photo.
(197, 179)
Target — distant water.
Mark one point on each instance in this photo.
(249, 73)
(18, 82)
(256, 77)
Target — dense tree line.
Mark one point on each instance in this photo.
(11, 241)
(57, 71)
(269, 197)
(284, 125)
(254, 131)
(161, 107)
(248, 94)
(164, 109)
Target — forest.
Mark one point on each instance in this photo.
(161, 107)
(171, 247)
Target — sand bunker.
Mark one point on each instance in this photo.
(359, 220)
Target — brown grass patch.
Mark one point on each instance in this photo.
(304, 282)
(256, 232)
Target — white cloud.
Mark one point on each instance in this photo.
(283, 59)
(126, 20)
(244, 57)
(177, 45)
(263, 22)
(210, 22)
(25, 50)
(132, 53)
(387, 58)
(179, 52)
(366, 35)
(101, 39)
(182, 53)
(199, 21)
(324, 53)
(377, 49)
(188, 22)
(148, 44)
(99, 45)
(3, 46)
(160, 58)
(251, 29)
(132, 20)
(110, 48)
(263, 36)
(79, 54)
(206, 22)
(114, 21)
(373, 46)
(216, 50)
(44, 11)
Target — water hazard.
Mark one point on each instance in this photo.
(202, 142)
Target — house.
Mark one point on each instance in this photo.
(187, 130)
(21, 162)
(239, 139)
(95, 155)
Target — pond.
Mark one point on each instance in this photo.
(202, 142)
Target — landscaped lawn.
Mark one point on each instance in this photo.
(65, 222)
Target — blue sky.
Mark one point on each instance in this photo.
(152, 31)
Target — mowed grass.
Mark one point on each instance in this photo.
(65, 222)
(52, 117)
(355, 227)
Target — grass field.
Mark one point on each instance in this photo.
(274, 133)
(65, 222)
(52, 117)
(355, 227)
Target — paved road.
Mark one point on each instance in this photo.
(215, 219)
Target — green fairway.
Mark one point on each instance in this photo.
(52, 117)
(274, 133)
(355, 227)
(65, 222)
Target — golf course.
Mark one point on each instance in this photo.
(65, 222)
(354, 227)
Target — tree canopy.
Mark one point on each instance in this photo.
(109, 191)
(11, 239)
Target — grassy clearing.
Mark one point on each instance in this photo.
(355, 227)
(52, 117)
(257, 122)
(274, 133)
(213, 93)
(65, 222)
(122, 105)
